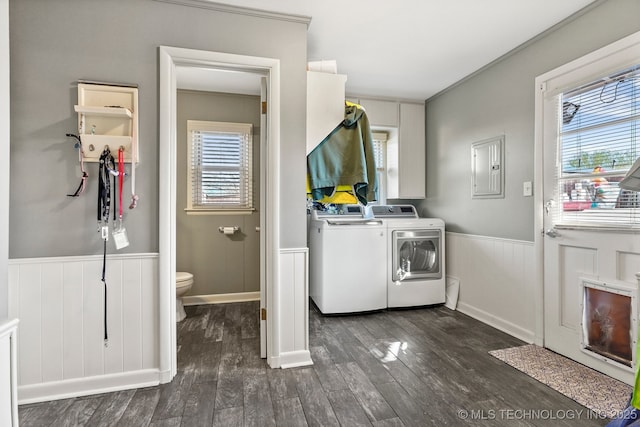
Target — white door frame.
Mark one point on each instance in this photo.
(170, 58)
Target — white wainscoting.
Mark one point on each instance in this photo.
(293, 299)
(60, 304)
(8, 374)
(497, 283)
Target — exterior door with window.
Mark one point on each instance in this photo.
(588, 123)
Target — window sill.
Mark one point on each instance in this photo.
(191, 211)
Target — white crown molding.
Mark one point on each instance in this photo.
(219, 7)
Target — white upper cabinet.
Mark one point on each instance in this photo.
(406, 160)
(380, 113)
(411, 180)
(406, 148)
(325, 105)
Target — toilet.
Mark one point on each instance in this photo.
(183, 284)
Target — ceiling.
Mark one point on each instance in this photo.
(413, 49)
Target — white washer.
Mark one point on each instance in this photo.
(347, 261)
(416, 262)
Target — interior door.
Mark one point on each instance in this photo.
(581, 205)
(263, 198)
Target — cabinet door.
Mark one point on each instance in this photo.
(381, 113)
(411, 152)
(325, 105)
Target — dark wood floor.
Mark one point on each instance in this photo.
(422, 367)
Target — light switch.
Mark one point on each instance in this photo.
(527, 189)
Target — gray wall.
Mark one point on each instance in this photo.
(497, 101)
(219, 263)
(55, 43)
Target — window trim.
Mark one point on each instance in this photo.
(213, 126)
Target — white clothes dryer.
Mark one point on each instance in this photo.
(347, 261)
(416, 257)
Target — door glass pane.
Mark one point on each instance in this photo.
(599, 124)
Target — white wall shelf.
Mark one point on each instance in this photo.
(104, 111)
(108, 117)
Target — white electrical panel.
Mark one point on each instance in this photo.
(487, 168)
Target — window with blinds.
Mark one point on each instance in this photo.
(220, 169)
(380, 157)
(598, 142)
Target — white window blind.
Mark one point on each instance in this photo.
(599, 126)
(380, 157)
(220, 167)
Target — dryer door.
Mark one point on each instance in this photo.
(416, 254)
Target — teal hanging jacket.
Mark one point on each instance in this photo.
(345, 157)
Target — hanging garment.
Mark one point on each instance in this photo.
(345, 157)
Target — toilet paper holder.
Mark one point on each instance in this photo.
(229, 230)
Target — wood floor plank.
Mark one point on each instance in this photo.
(250, 320)
(141, 407)
(230, 390)
(400, 320)
(376, 327)
(334, 346)
(282, 384)
(370, 399)
(215, 326)
(111, 408)
(198, 409)
(228, 417)
(230, 361)
(173, 396)
(408, 409)
(372, 367)
(208, 362)
(320, 355)
(78, 413)
(330, 378)
(315, 403)
(348, 409)
(251, 355)
(45, 413)
(167, 422)
(393, 422)
(258, 408)
(289, 413)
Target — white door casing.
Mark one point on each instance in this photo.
(170, 58)
(263, 198)
(565, 254)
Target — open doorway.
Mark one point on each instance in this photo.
(218, 210)
(172, 62)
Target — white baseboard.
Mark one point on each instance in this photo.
(496, 322)
(64, 389)
(220, 298)
(165, 376)
(294, 359)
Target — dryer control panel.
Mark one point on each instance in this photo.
(394, 211)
